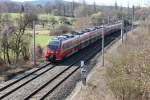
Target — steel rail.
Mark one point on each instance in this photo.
(54, 78)
(57, 85)
(13, 90)
(36, 91)
(14, 82)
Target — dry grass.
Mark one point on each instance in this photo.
(95, 88)
(129, 74)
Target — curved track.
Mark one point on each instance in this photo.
(61, 80)
(71, 67)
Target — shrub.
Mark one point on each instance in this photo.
(53, 21)
(64, 20)
(97, 18)
(60, 29)
(129, 76)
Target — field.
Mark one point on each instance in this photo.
(42, 40)
(42, 35)
(40, 16)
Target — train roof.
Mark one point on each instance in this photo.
(63, 37)
(76, 33)
(91, 29)
(68, 35)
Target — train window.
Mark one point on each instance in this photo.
(97, 27)
(81, 32)
(75, 33)
(53, 45)
(87, 30)
(67, 46)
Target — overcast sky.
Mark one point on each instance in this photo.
(111, 2)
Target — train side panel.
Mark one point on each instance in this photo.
(69, 47)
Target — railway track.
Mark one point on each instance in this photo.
(25, 76)
(61, 96)
(26, 81)
(31, 79)
(61, 80)
(58, 78)
(49, 86)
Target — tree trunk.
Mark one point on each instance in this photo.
(4, 54)
(7, 54)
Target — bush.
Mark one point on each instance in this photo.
(129, 76)
(63, 20)
(81, 23)
(60, 29)
(53, 21)
(97, 18)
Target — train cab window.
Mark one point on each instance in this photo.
(53, 45)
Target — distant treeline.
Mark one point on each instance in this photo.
(55, 7)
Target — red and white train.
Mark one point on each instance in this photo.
(65, 45)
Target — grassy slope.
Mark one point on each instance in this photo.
(42, 40)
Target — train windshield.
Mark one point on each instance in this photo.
(53, 45)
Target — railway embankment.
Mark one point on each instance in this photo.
(101, 83)
(8, 72)
(96, 86)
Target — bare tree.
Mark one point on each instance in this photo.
(6, 30)
(53, 21)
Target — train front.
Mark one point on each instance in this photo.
(52, 50)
